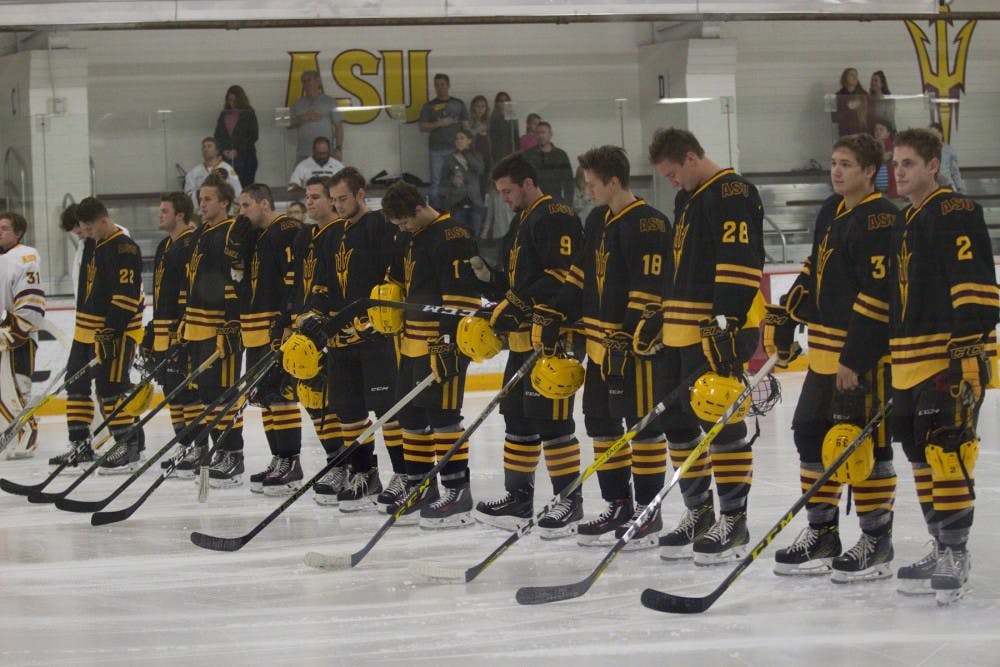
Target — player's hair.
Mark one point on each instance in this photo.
(210, 140)
(673, 144)
(241, 101)
(260, 192)
(320, 140)
(91, 209)
(866, 150)
(442, 77)
(925, 143)
(351, 176)
(67, 219)
(515, 167)
(181, 203)
(607, 162)
(219, 179)
(320, 180)
(401, 201)
(17, 222)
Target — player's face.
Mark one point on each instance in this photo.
(211, 205)
(407, 224)
(598, 191)
(511, 193)
(167, 216)
(209, 151)
(680, 176)
(317, 203)
(846, 174)
(914, 176)
(253, 210)
(347, 203)
(8, 238)
(80, 232)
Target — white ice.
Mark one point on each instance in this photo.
(139, 592)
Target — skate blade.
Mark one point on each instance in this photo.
(121, 470)
(508, 523)
(326, 499)
(282, 490)
(811, 568)
(225, 483)
(256, 487)
(873, 573)
(602, 540)
(949, 597)
(671, 553)
(454, 521)
(361, 505)
(568, 530)
(642, 543)
(327, 561)
(721, 558)
(437, 574)
(185, 474)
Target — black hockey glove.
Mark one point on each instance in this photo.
(545, 325)
(107, 344)
(967, 368)
(779, 335)
(718, 342)
(617, 355)
(648, 337)
(444, 358)
(146, 347)
(228, 339)
(509, 314)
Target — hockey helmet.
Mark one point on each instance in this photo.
(476, 339)
(386, 319)
(859, 464)
(300, 357)
(557, 377)
(713, 394)
(312, 393)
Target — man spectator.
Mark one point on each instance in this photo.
(211, 160)
(555, 172)
(315, 115)
(442, 117)
(320, 163)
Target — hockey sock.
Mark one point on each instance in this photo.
(822, 506)
(732, 467)
(327, 425)
(363, 457)
(562, 458)
(418, 452)
(456, 471)
(696, 483)
(614, 476)
(520, 458)
(268, 422)
(79, 415)
(875, 497)
(392, 433)
(649, 467)
(286, 425)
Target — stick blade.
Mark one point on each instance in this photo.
(42, 497)
(437, 574)
(546, 594)
(328, 561)
(104, 518)
(214, 543)
(20, 489)
(82, 506)
(675, 604)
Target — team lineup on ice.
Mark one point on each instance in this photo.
(366, 322)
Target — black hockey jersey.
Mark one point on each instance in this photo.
(944, 284)
(170, 285)
(266, 288)
(718, 257)
(112, 289)
(212, 299)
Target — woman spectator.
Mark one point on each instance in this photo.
(881, 108)
(461, 184)
(885, 177)
(236, 134)
(851, 116)
(503, 128)
(529, 140)
(478, 126)
(949, 176)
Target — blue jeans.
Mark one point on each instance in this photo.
(438, 156)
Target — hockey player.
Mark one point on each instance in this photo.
(943, 316)
(22, 304)
(353, 256)
(623, 269)
(718, 254)
(433, 271)
(264, 294)
(109, 318)
(169, 297)
(210, 322)
(536, 255)
(842, 294)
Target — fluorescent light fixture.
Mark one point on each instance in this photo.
(682, 100)
(369, 108)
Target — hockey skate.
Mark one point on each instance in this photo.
(393, 492)
(678, 543)
(122, 460)
(868, 560)
(329, 485)
(187, 467)
(563, 518)
(725, 542)
(810, 553)
(257, 479)
(285, 479)
(950, 578)
(507, 511)
(174, 451)
(79, 452)
(361, 491)
(411, 517)
(226, 471)
(915, 579)
(647, 536)
(601, 531)
(452, 510)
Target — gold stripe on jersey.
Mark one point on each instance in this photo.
(680, 321)
(575, 277)
(558, 274)
(124, 302)
(737, 274)
(643, 386)
(871, 308)
(825, 345)
(460, 301)
(915, 358)
(595, 331)
(974, 294)
(415, 336)
(256, 328)
(200, 324)
(519, 341)
(86, 325)
(639, 300)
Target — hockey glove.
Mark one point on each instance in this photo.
(545, 324)
(779, 335)
(279, 332)
(11, 335)
(444, 358)
(227, 339)
(146, 347)
(617, 355)
(509, 314)
(313, 326)
(718, 342)
(967, 368)
(107, 344)
(648, 337)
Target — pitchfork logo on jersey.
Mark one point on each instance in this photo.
(91, 274)
(408, 264)
(193, 265)
(512, 262)
(308, 272)
(822, 257)
(680, 235)
(157, 280)
(601, 268)
(904, 278)
(343, 259)
(254, 274)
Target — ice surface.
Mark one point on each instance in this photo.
(140, 593)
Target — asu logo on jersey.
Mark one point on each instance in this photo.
(735, 189)
(680, 235)
(309, 270)
(957, 204)
(512, 261)
(652, 225)
(601, 256)
(91, 274)
(254, 274)
(880, 221)
(822, 257)
(343, 261)
(904, 278)
(157, 280)
(408, 264)
(193, 264)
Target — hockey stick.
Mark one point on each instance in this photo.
(101, 518)
(437, 573)
(30, 489)
(42, 497)
(679, 604)
(447, 311)
(26, 414)
(314, 559)
(236, 543)
(543, 594)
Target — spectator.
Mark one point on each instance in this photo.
(881, 108)
(949, 176)
(478, 126)
(320, 163)
(503, 127)
(315, 115)
(555, 172)
(461, 184)
(530, 139)
(296, 210)
(236, 134)
(851, 115)
(581, 201)
(211, 161)
(442, 118)
(885, 177)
